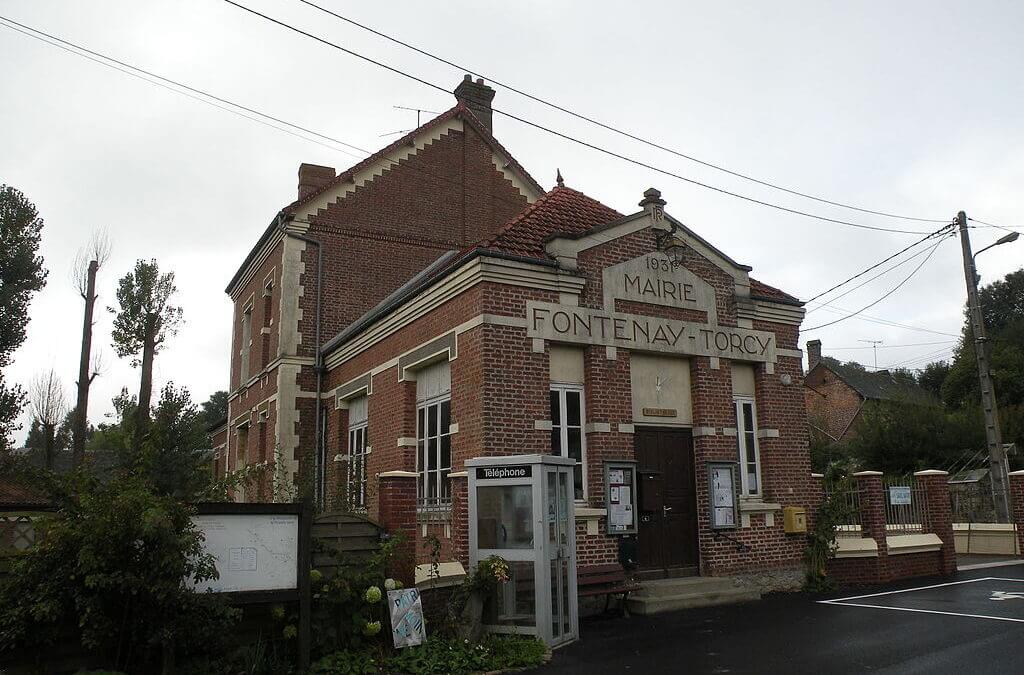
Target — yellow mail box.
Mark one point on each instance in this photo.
(794, 519)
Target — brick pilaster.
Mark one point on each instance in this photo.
(939, 514)
(1017, 504)
(397, 495)
(460, 517)
(872, 517)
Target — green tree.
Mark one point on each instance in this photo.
(214, 409)
(21, 276)
(143, 322)
(175, 453)
(932, 376)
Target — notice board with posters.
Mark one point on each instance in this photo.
(723, 495)
(620, 496)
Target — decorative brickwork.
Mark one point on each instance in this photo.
(1017, 504)
(397, 511)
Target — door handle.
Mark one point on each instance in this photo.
(666, 509)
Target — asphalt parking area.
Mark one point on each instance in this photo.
(993, 598)
(973, 622)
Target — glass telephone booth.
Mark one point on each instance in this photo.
(521, 508)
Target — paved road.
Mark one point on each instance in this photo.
(794, 633)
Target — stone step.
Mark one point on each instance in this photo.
(662, 587)
(655, 599)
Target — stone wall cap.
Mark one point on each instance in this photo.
(868, 473)
(1017, 473)
(459, 474)
(817, 475)
(931, 472)
(397, 474)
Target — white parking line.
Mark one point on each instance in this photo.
(988, 565)
(932, 611)
(909, 590)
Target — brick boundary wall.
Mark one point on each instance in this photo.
(1017, 504)
(884, 568)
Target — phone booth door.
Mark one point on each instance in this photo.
(560, 558)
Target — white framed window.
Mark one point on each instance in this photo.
(747, 447)
(433, 450)
(246, 329)
(567, 437)
(357, 453)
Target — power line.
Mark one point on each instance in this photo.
(919, 359)
(145, 75)
(887, 322)
(611, 128)
(885, 295)
(881, 262)
(135, 71)
(866, 281)
(1000, 227)
(916, 344)
(568, 137)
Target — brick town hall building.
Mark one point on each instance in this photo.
(433, 304)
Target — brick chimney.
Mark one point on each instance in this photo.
(312, 177)
(813, 353)
(476, 96)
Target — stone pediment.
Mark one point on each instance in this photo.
(657, 278)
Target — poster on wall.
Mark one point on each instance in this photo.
(722, 491)
(407, 627)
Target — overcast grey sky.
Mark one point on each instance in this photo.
(909, 107)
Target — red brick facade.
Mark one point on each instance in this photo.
(451, 189)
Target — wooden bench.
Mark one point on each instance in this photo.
(606, 580)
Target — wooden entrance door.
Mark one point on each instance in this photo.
(667, 533)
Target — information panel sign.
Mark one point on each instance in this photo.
(899, 495)
(722, 491)
(407, 627)
(620, 488)
(254, 552)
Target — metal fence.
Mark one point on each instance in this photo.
(848, 497)
(906, 506)
(972, 503)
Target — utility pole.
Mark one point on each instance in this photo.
(874, 348)
(993, 434)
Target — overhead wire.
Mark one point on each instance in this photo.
(916, 344)
(568, 137)
(609, 127)
(885, 295)
(197, 94)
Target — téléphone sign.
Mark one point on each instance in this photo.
(503, 472)
(899, 495)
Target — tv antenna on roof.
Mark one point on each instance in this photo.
(874, 348)
(405, 131)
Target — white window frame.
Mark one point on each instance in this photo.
(440, 474)
(562, 389)
(741, 448)
(357, 460)
(246, 346)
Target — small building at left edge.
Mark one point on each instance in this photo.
(433, 304)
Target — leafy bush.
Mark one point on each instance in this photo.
(108, 572)
(439, 656)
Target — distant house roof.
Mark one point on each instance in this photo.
(878, 385)
(14, 494)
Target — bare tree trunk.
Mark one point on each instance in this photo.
(84, 377)
(145, 389)
(48, 434)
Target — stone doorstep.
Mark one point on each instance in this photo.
(667, 595)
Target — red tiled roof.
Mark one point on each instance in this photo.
(763, 290)
(561, 211)
(12, 493)
(460, 110)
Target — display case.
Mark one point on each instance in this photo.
(620, 496)
(521, 509)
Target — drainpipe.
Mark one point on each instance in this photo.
(319, 471)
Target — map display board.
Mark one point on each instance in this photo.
(254, 552)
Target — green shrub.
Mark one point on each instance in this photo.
(439, 656)
(108, 572)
